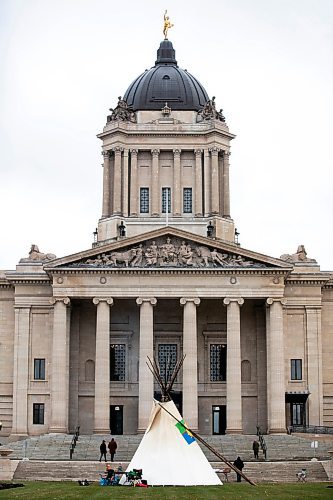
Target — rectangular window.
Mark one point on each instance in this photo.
(187, 200)
(144, 200)
(166, 200)
(118, 362)
(218, 362)
(296, 369)
(167, 359)
(38, 413)
(39, 369)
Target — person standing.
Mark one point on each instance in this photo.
(239, 464)
(255, 447)
(112, 448)
(102, 449)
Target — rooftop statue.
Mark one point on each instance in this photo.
(122, 112)
(167, 25)
(37, 256)
(209, 112)
(299, 256)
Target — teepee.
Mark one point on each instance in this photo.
(168, 453)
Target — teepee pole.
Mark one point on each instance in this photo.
(202, 441)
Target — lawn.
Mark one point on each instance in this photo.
(66, 490)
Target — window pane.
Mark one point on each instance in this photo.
(167, 359)
(118, 362)
(166, 199)
(144, 200)
(218, 362)
(39, 369)
(187, 200)
(38, 413)
(296, 369)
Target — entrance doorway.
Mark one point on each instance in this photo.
(116, 419)
(219, 419)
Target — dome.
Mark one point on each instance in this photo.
(166, 82)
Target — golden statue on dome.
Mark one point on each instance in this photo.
(167, 25)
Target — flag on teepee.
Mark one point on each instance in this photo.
(168, 453)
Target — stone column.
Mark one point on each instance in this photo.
(261, 369)
(198, 183)
(207, 183)
(275, 368)
(314, 364)
(234, 383)
(74, 365)
(146, 380)
(155, 184)
(102, 366)
(106, 184)
(215, 179)
(117, 189)
(124, 185)
(177, 188)
(21, 371)
(226, 190)
(134, 208)
(60, 366)
(190, 366)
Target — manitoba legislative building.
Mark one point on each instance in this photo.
(165, 278)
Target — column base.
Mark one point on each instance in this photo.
(102, 431)
(234, 431)
(277, 431)
(58, 430)
(18, 436)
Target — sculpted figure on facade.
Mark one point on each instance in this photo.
(169, 253)
(122, 112)
(209, 112)
(299, 256)
(37, 256)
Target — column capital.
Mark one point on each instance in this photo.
(151, 300)
(118, 150)
(198, 152)
(134, 152)
(98, 300)
(228, 300)
(226, 153)
(196, 301)
(105, 154)
(271, 301)
(176, 152)
(214, 151)
(155, 152)
(65, 300)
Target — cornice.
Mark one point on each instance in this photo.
(28, 279)
(169, 271)
(311, 279)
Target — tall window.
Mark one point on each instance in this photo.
(218, 362)
(166, 200)
(144, 200)
(187, 200)
(296, 369)
(38, 413)
(118, 362)
(39, 369)
(167, 359)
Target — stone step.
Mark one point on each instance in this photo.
(75, 470)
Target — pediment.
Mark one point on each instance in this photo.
(167, 248)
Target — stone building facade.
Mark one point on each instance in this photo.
(165, 277)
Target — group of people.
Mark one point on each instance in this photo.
(112, 449)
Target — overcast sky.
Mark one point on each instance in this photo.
(268, 62)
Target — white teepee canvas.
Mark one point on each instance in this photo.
(169, 455)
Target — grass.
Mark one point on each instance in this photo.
(233, 491)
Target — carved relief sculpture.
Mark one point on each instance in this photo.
(168, 253)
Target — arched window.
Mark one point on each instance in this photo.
(246, 371)
(90, 370)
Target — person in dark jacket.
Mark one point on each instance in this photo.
(239, 464)
(103, 450)
(112, 448)
(255, 447)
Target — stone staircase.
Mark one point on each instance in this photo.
(56, 447)
(258, 472)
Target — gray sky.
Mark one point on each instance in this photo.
(64, 62)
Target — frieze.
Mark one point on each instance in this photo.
(168, 253)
